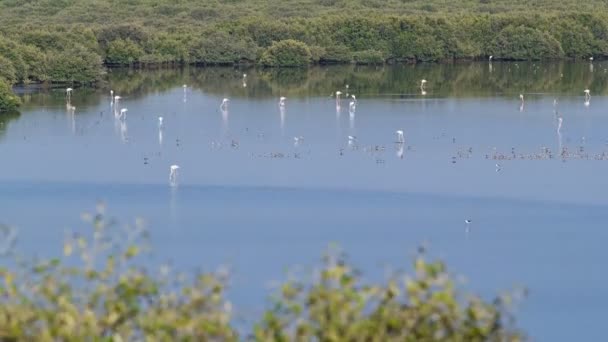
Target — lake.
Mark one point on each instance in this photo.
(265, 189)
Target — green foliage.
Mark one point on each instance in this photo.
(8, 101)
(123, 52)
(335, 54)
(425, 307)
(78, 65)
(286, 53)
(523, 43)
(99, 292)
(368, 57)
(37, 36)
(7, 70)
(222, 48)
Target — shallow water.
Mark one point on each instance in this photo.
(252, 198)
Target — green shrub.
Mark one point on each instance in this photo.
(7, 70)
(286, 53)
(8, 100)
(524, 43)
(123, 52)
(222, 48)
(368, 57)
(336, 54)
(98, 291)
(424, 307)
(316, 53)
(77, 65)
(109, 33)
(576, 40)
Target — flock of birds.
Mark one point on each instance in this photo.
(121, 116)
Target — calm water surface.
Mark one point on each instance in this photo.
(251, 197)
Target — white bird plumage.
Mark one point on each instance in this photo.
(400, 138)
(224, 104)
(123, 114)
(173, 170)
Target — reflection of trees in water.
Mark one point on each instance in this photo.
(5, 119)
(453, 80)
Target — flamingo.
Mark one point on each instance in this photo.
(400, 138)
(123, 114)
(282, 101)
(352, 107)
(422, 85)
(224, 105)
(173, 170)
(521, 107)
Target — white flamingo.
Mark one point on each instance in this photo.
(224, 105)
(400, 138)
(123, 114)
(173, 172)
(352, 140)
(282, 101)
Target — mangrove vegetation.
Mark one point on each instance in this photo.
(72, 42)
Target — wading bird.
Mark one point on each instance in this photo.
(160, 122)
(68, 92)
(282, 101)
(224, 105)
(521, 107)
(400, 138)
(352, 107)
(123, 114)
(351, 140)
(422, 85)
(173, 170)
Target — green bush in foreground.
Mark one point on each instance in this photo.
(98, 293)
(287, 53)
(8, 100)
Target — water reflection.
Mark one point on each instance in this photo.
(5, 119)
(449, 80)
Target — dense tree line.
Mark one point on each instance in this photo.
(72, 41)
